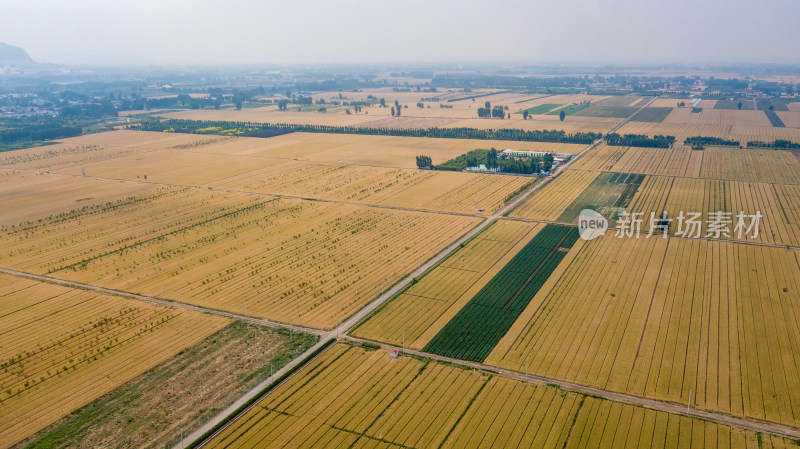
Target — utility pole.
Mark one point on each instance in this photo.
(690, 401)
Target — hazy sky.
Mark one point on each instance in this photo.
(166, 32)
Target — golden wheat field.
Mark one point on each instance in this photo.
(551, 201)
(659, 317)
(778, 204)
(350, 397)
(409, 188)
(32, 196)
(742, 133)
(733, 164)
(309, 263)
(61, 348)
(381, 151)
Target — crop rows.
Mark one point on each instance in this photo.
(602, 157)
(550, 202)
(751, 165)
(287, 260)
(778, 203)
(660, 317)
(62, 348)
(446, 191)
(79, 151)
(353, 398)
(482, 322)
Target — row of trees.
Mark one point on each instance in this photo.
(258, 129)
(640, 140)
(699, 141)
(38, 132)
(778, 144)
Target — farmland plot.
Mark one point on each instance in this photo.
(602, 157)
(609, 194)
(62, 348)
(655, 161)
(550, 202)
(421, 189)
(743, 132)
(90, 148)
(659, 317)
(751, 165)
(777, 203)
(28, 197)
(381, 151)
(287, 260)
(443, 292)
(353, 398)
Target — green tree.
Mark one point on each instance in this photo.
(562, 115)
(739, 105)
(424, 162)
(488, 105)
(392, 111)
(525, 115)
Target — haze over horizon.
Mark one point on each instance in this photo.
(186, 32)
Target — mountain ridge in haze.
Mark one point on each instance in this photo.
(16, 56)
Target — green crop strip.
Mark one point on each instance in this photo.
(485, 319)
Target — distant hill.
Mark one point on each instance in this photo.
(11, 55)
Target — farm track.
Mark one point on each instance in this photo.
(653, 404)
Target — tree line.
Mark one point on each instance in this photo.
(778, 144)
(38, 132)
(640, 140)
(253, 129)
(700, 141)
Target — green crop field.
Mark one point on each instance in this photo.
(747, 105)
(570, 109)
(774, 119)
(596, 110)
(540, 109)
(656, 115)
